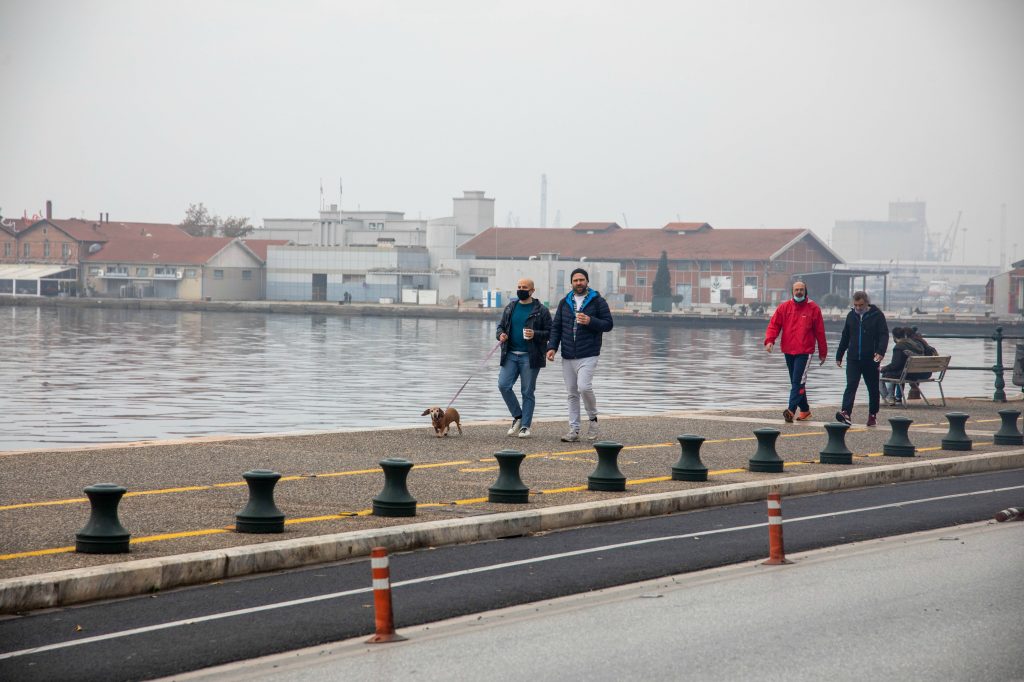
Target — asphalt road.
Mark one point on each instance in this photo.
(923, 606)
(191, 628)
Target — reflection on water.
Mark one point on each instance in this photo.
(72, 376)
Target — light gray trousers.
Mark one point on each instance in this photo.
(579, 381)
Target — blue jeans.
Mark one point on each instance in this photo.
(518, 367)
(797, 366)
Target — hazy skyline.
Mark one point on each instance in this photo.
(741, 114)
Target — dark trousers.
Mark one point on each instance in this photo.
(797, 365)
(855, 369)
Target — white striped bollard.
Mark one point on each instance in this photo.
(776, 553)
(382, 614)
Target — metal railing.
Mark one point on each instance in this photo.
(999, 396)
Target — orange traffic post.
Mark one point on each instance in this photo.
(776, 553)
(383, 616)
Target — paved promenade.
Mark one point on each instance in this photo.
(183, 495)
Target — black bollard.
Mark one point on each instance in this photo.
(835, 451)
(766, 459)
(899, 444)
(1008, 433)
(395, 499)
(956, 438)
(509, 488)
(689, 467)
(607, 477)
(103, 534)
(260, 515)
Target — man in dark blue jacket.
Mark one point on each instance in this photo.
(866, 335)
(580, 320)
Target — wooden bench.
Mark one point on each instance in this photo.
(920, 364)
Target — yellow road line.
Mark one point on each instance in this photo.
(182, 534)
(367, 512)
(23, 505)
(360, 472)
(36, 552)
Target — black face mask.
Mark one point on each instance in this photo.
(522, 294)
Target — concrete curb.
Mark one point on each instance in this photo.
(129, 578)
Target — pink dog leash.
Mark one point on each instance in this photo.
(477, 371)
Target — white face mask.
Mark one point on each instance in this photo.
(799, 299)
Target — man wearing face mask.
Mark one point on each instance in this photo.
(523, 332)
(800, 322)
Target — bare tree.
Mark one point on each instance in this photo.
(199, 222)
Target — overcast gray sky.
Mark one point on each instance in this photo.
(742, 114)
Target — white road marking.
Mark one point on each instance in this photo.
(471, 571)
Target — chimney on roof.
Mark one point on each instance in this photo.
(49, 209)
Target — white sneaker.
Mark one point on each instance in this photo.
(514, 429)
(524, 432)
(593, 432)
(571, 437)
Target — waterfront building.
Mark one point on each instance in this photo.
(1005, 292)
(904, 236)
(43, 256)
(50, 257)
(472, 213)
(707, 266)
(369, 255)
(197, 268)
(379, 273)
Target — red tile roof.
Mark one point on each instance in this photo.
(630, 244)
(94, 231)
(18, 224)
(259, 246)
(191, 251)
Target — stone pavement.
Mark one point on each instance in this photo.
(183, 495)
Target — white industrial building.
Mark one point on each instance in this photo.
(374, 256)
(904, 236)
(369, 255)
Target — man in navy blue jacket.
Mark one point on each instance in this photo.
(580, 320)
(866, 335)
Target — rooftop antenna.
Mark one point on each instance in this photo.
(321, 194)
(543, 200)
(339, 193)
(508, 221)
(625, 220)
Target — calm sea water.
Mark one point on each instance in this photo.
(75, 376)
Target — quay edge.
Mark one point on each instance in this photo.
(927, 324)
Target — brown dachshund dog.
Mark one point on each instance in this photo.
(443, 419)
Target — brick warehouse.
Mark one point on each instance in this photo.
(707, 265)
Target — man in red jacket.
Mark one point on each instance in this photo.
(800, 322)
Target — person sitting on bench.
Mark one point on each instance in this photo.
(905, 346)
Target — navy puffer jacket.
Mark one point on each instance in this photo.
(580, 340)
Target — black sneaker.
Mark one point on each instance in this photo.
(787, 416)
(843, 417)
